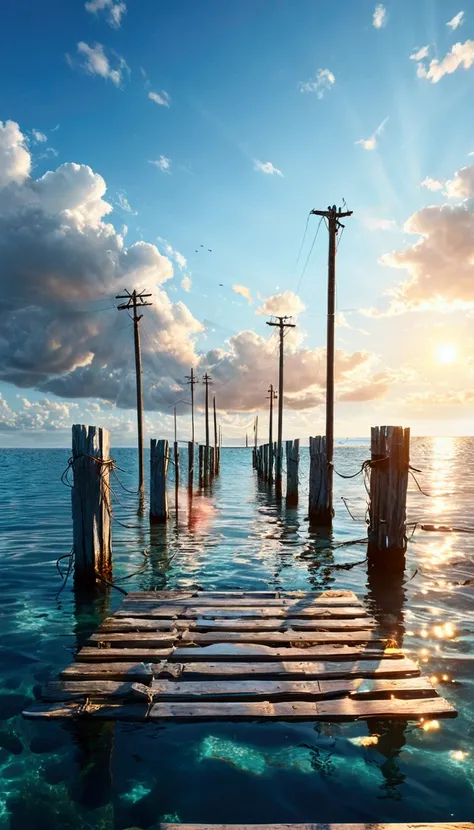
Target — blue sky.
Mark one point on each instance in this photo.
(238, 85)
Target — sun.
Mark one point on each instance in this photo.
(446, 353)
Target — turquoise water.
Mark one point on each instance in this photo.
(235, 537)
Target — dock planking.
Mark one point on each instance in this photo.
(196, 655)
(461, 825)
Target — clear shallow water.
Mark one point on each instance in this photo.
(126, 775)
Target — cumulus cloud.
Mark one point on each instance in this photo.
(323, 81)
(163, 164)
(96, 62)
(379, 18)
(15, 160)
(162, 98)
(241, 372)
(371, 143)
(456, 21)
(37, 416)
(267, 167)
(244, 292)
(186, 283)
(431, 184)
(461, 54)
(278, 305)
(440, 264)
(170, 252)
(113, 9)
(62, 264)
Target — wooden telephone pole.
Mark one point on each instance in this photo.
(135, 301)
(282, 325)
(191, 381)
(272, 397)
(207, 461)
(333, 216)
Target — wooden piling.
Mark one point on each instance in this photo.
(190, 464)
(265, 462)
(201, 465)
(389, 465)
(212, 462)
(292, 462)
(207, 464)
(176, 472)
(159, 458)
(319, 506)
(91, 509)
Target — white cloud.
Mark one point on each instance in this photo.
(288, 303)
(186, 283)
(420, 54)
(124, 204)
(180, 260)
(371, 143)
(163, 163)
(114, 10)
(162, 98)
(456, 21)
(244, 292)
(440, 263)
(267, 167)
(461, 54)
(323, 81)
(15, 160)
(39, 137)
(373, 223)
(431, 184)
(380, 16)
(97, 63)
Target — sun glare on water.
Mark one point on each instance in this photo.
(446, 353)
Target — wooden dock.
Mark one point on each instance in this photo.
(269, 655)
(460, 825)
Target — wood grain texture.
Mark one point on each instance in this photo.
(74, 689)
(262, 612)
(292, 670)
(240, 651)
(135, 672)
(327, 710)
(128, 655)
(125, 639)
(460, 825)
(274, 638)
(270, 624)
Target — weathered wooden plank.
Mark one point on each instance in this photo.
(325, 710)
(273, 638)
(263, 612)
(159, 611)
(286, 689)
(271, 624)
(238, 651)
(460, 825)
(135, 672)
(291, 670)
(135, 624)
(101, 655)
(308, 601)
(160, 596)
(123, 639)
(73, 690)
(38, 711)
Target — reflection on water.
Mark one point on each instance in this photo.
(236, 535)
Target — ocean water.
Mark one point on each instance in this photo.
(81, 776)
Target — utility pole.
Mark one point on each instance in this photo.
(136, 300)
(207, 461)
(282, 325)
(272, 397)
(333, 217)
(191, 381)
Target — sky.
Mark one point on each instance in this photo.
(178, 147)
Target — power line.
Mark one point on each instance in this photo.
(309, 255)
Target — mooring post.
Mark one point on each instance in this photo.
(91, 510)
(212, 462)
(265, 462)
(292, 460)
(389, 465)
(190, 464)
(201, 465)
(207, 464)
(319, 507)
(176, 472)
(159, 458)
